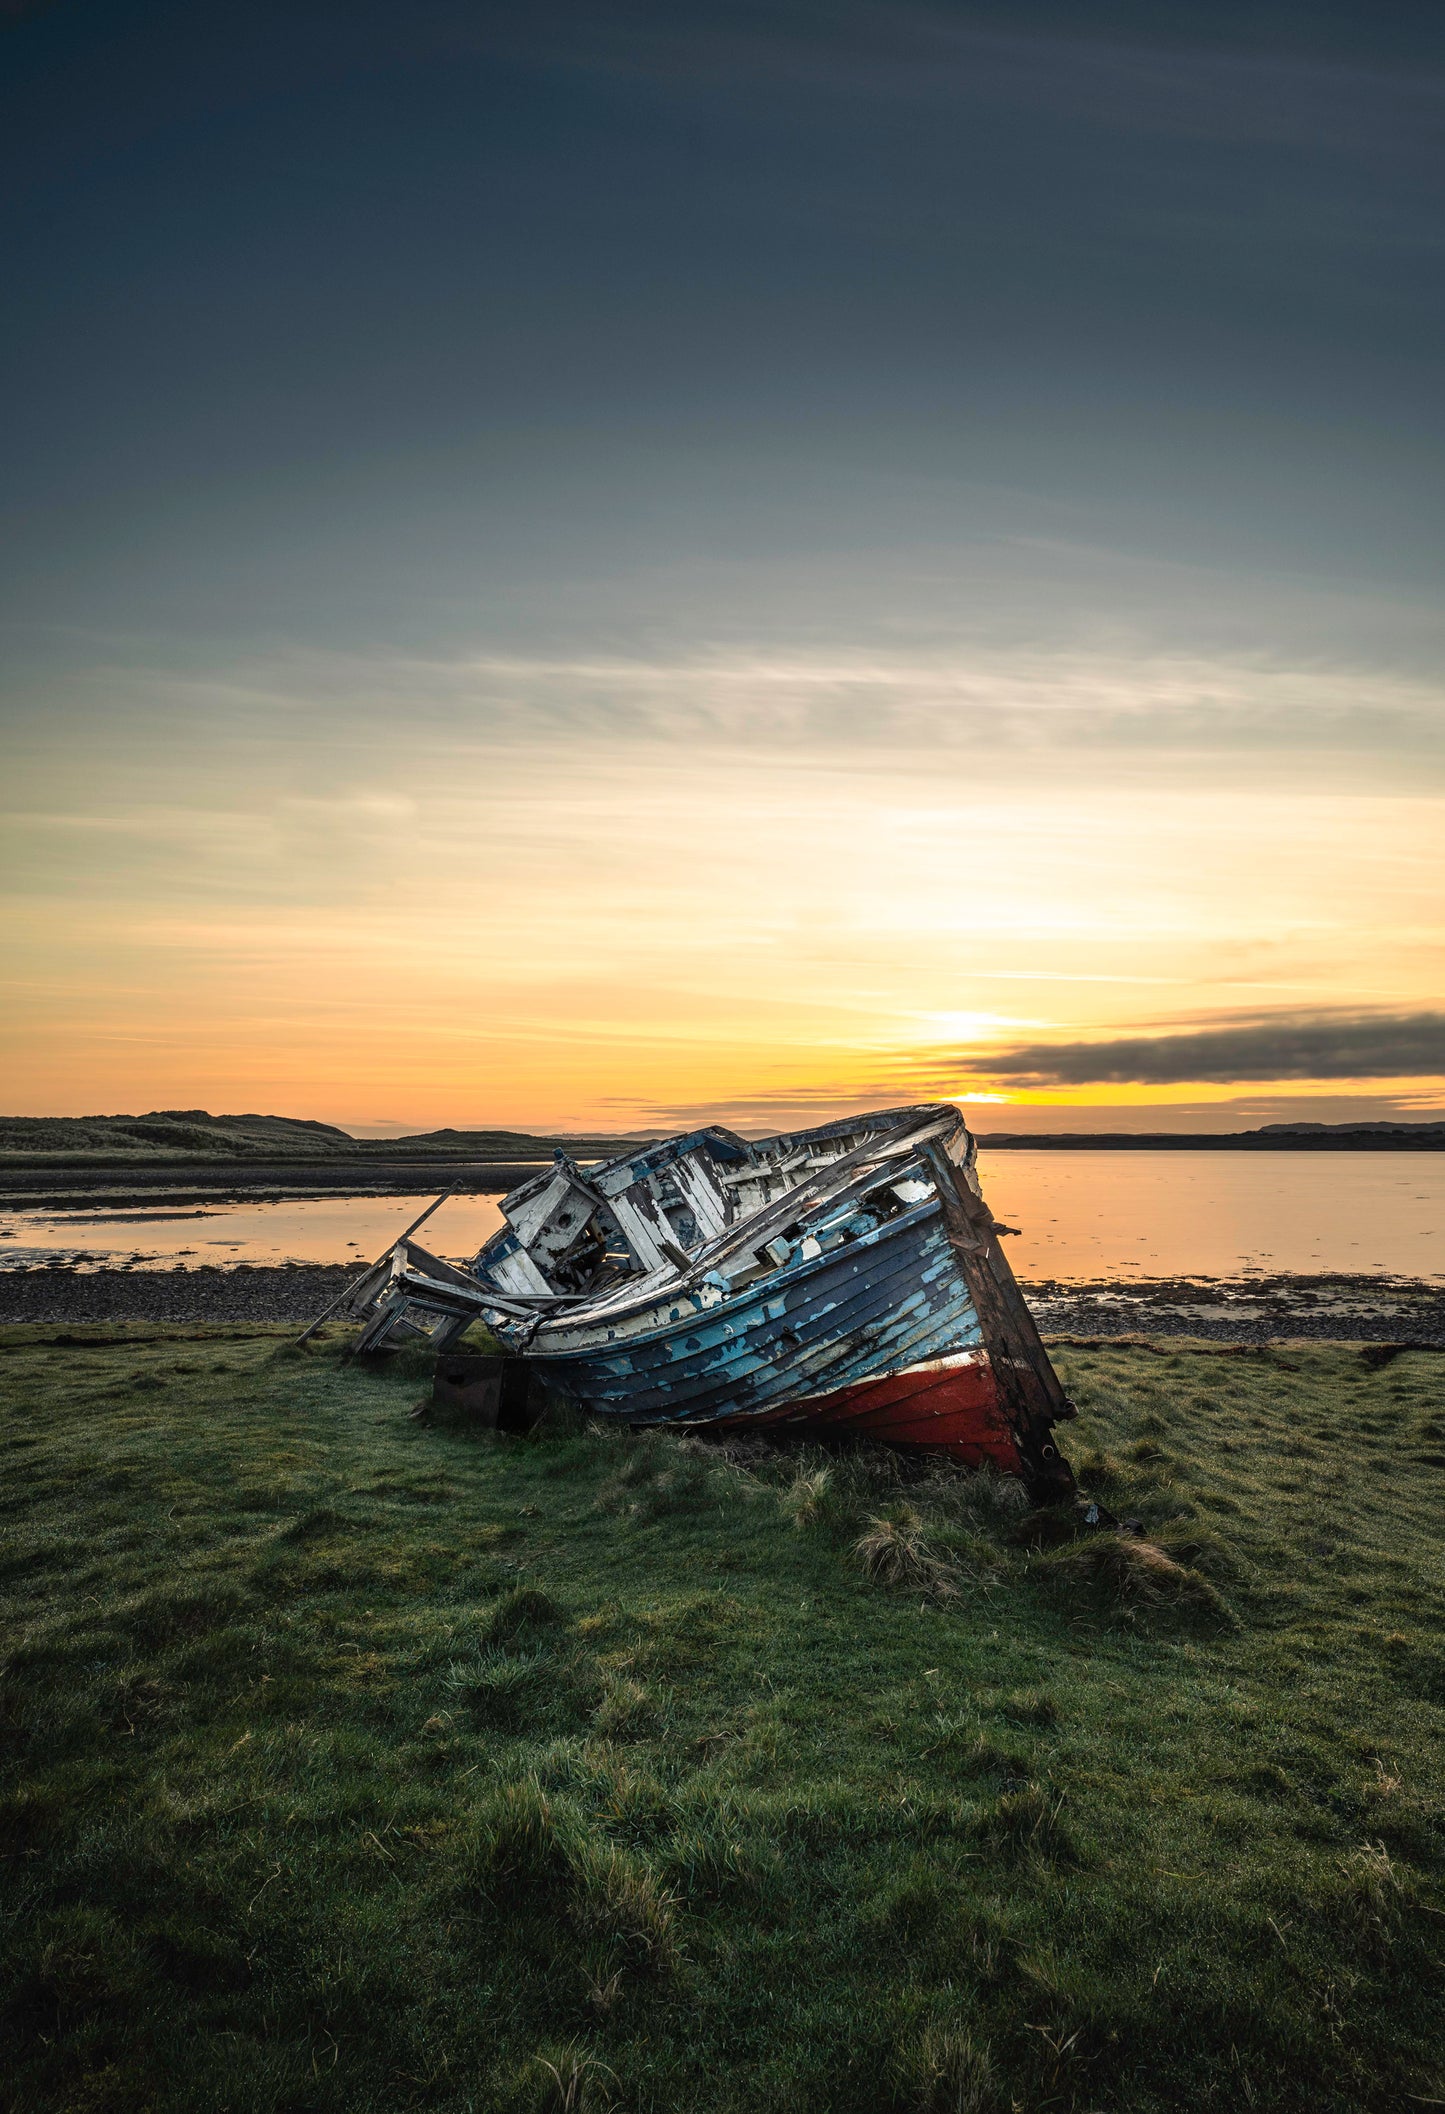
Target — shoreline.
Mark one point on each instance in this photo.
(1357, 1309)
(55, 1184)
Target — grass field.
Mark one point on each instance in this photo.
(355, 1763)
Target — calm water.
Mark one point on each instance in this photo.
(1082, 1214)
(1219, 1214)
(332, 1229)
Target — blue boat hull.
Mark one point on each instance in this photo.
(893, 1299)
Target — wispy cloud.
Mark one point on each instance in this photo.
(961, 695)
(1280, 77)
(1016, 698)
(1332, 1045)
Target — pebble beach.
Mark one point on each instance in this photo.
(1257, 1310)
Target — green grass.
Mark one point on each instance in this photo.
(355, 1763)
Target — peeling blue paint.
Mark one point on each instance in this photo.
(894, 1298)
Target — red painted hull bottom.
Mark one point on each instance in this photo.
(947, 1405)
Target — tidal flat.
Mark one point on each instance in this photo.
(355, 1761)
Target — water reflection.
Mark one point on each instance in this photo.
(332, 1229)
(1083, 1215)
(1087, 1214)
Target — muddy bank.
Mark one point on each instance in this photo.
(1243, 1310)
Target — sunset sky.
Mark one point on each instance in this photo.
(587, 566)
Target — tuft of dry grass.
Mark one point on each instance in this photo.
(498, 1688)
(1027, 1822)
(1133, 1574)
(1029, 1706)
(983, 1498)
(572, 2081)
(627, 1710)
(808, 1501)
(947, 2073)
(617, 1898)
(895, 1552)
(1373, 1895)
(528, 1844)
(522, 1613)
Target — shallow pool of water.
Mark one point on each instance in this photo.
(332, 1229)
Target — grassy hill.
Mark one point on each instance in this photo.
(188, 1135)
(353, 1763)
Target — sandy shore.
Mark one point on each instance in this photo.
(1242, 1310)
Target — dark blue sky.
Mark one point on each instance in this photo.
(321, 316)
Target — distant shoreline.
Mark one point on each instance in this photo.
(1429, 1138)
(191, 1156)
(75, 1182)
(31, 1187)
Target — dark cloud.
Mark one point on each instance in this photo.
(1333, 1046)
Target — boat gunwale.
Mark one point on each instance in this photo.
(708, 1258)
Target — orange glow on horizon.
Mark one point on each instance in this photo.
(601, 936)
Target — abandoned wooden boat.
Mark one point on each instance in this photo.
(843, 1279)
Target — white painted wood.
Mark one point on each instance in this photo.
(528, 1218)
(640, 1231)
(704, 1199)
(518, 1273)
